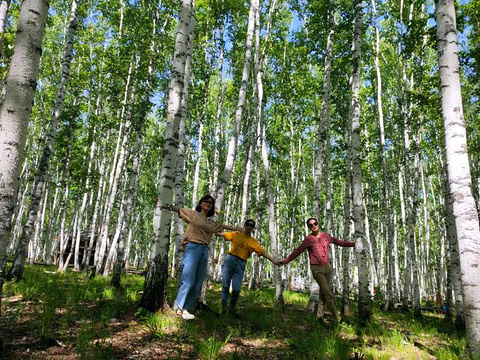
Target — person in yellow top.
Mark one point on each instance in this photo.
(243, 244)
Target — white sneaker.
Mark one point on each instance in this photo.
(187, 316)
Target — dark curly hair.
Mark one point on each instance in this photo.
(249, 221)
(198, 208)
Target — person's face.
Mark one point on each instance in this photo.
(313, 225)
(206, 204)
(249, 226)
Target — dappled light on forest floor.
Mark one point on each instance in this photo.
(90, 320)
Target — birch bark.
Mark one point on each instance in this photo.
(4, 5)
(364, 307)
(154, 291)
(44, 165)
(459, 179)
(16, 109)
(232, 146)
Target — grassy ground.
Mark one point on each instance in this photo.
(62, 316)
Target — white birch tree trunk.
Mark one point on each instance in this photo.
(116, 170)
(389, 295)
(217, 134)
(232, 146)
(459, 179)
(154, 291)
(364, 306)
(15, 111)
(44, 165)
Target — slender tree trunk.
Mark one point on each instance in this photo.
(232, 146)
(389, 298)
(116, 169)
(218, 123)
(4, 5)
(364, 310)
(154, 291)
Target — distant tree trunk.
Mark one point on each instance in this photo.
(324, 121)
(272, 224)
(154, 290)
(364, 306)
(389, 296)
(459, 179)
(129, 204)
(201, 120)
(116, 171)
(232, 146)
(217, 133)
(93, 234)
(15, 111)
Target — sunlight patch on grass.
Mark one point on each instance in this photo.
(297, 299)
(160, 325)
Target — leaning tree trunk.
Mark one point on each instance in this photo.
(364, 310)
(459, 180)
(232, 146)
(44, 165)
(15, 111)
(155, 286)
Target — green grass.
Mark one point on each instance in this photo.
(91, 318)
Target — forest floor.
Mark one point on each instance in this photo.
(61, 316)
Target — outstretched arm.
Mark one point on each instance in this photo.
(265, 254)
(232, 228)
(303, 246)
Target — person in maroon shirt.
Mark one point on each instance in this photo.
(317, 244)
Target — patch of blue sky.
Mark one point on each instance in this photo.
(295, 24)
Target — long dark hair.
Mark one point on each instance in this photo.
(198, 208)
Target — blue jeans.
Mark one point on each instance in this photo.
(194, 266)
(233, 270)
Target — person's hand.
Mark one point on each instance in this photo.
(166, 207)
(281, 263)
(183, 244)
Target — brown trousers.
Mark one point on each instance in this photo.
(322, 275)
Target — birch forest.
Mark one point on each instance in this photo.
(363, 114)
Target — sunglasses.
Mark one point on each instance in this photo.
(310, 225)
(250, 225)
(208, 202)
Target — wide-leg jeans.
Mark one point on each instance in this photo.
(194, 266)
(233, 270)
